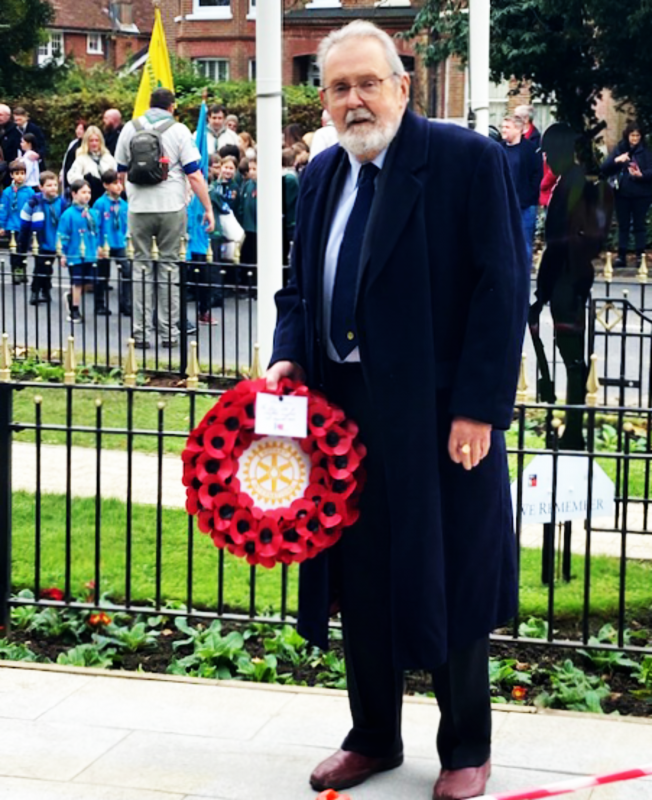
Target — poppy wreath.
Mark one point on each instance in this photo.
(234, 518)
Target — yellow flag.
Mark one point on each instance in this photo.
(157, 72)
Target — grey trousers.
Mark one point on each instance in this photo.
(160, 278)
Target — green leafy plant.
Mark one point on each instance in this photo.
(14, 651)
(261, 670)
(214, 655)
(607, 660)
(66, 625)
(129, 639)
(534, 628)
(88, 655)
(334, 676)
(507, 673)
(288, 645)
(573, 689)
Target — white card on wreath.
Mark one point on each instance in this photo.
(281, 415)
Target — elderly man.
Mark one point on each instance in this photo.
(407, 307)
(10, 138)
(26, 125)
(112, 123)
(530, 131)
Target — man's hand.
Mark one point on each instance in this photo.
(469, 442)
(209, 221)
(623, 159)
(284, 369)
(635, 171)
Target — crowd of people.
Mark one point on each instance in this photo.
(85, 210)
(89, 188)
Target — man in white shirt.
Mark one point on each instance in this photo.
(159, 210)
(217, 133)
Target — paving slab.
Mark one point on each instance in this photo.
(95, 735)
(26, 789)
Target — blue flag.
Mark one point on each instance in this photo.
(198, 238)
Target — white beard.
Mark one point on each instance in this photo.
(370, 139)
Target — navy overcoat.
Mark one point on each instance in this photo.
(441, 309)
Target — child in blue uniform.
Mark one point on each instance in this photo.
(80, 244)
(40, 215)
(111, 211)
(12, 201)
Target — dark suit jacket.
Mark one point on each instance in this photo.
(441, 309)
(10, 138)
(41, 144)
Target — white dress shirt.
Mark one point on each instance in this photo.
(340, 218)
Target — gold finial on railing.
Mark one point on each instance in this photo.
(106, 247)
(35, 244)
(256, 371)
(38, 399)
(183, 248)
(5, 359)
(192, 373)
(609, 268)
(82, 249)
(155, 251)
(12, 243)
(130, 248)
(521, 390)
(641, 274)
(537, 260)
(59, 247)
(69, 363)
(593, 383)
(131, 365)
(209, 252)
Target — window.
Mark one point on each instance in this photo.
(94, 44)
(51, 50)
(217, 69)
(252, 69)
(324, 4)
(252, 10)
(210, 9)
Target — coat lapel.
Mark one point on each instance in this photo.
(400, 184)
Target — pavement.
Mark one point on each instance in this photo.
(72, 734)
(145, 490)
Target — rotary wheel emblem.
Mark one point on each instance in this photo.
(274, 472)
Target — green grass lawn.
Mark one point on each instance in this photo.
(176, 416)
(534, 596)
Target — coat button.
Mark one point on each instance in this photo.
(350, 336)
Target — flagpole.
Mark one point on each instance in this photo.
(270, 198)
(479, 42)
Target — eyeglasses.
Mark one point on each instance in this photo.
(366, 88)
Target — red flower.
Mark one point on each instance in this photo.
(52, 594)
(99, 619)
(337, 441)
(225, 506)
(332, 511)
(319, 476)
(344, 487)
(294, 545)
(207, 467)
(193, 505)
(243, 525)
(209, 490)
(345, 465)
(320, 418)
(519, 693)
(269, 537)
(218, 441)
(205, 521)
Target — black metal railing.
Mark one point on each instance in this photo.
(216, 308)
(183, 576)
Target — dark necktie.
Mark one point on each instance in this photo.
(343, 331)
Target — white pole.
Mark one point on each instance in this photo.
(270, 199)
(479, 38)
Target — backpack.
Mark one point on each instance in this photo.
(147, 166)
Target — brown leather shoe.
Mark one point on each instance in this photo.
(346, 768)
(461, 784)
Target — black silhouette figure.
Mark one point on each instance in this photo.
(577, 224)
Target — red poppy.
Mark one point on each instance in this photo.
(243, 525)
(218, 441)
(519, 693)
(344, 466)
(318, 475)
(225, 506)
(336, 442)
(194, 444)
(207, 466)
(52, 594)
(99, 619)
(320, 418)
(209, 490)
(189, 474)
(205, 521)
(301, 508)
(269, 537)
(316, 493)
(332, 511)
(193, 504)
(344, 487)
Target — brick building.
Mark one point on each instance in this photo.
(98, 31)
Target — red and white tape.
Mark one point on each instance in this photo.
(573, 785)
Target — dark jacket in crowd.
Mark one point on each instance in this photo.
(625, 184)
(526, 166)
(534, 137)
(41, 145)
(10, 138)
(111, 137)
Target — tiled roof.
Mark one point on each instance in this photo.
(93, 15)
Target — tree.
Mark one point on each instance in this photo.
(22, 27)
(552, 44)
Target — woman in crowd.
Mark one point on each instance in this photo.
(92, 161)
(247, 145)
(292, 134)
(71, 154)
(629, 168)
